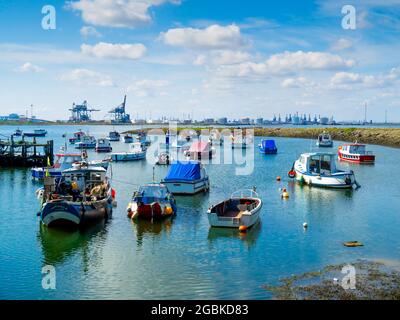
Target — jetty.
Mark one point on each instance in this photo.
(25, 153)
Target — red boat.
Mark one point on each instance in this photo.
(356, 153)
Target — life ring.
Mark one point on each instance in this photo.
(292, 174)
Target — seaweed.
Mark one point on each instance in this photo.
(374, 281)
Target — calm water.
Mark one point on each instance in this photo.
(183, 258)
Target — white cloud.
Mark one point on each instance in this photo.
(344, 80)
(341, 44)
(227, 57)
(299, 82)
(89, 77)
(29, 67)
(148, 87)
(289, 62)
(89, 31)
(115, 51)
(116, 13)
(212, 37)
(200, 60)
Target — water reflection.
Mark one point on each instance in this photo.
(60, 244)
(144, 228)
(249, 238)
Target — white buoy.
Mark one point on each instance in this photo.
(305, 225)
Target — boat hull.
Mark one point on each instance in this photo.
(60, 213)
(324, 144)
(356, 158)
(103, 149)
(344, 180)
(246, 219)
(187, 187)
(117, 157)
(268, 151)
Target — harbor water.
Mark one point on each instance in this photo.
(184, 258)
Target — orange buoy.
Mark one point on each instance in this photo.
(278, 178)
(243, 229)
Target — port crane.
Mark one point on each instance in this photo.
(119, 114)
(81, 112)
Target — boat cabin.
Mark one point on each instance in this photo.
(150, 193)
(355, 149)
(318, 163)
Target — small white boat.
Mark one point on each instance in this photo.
(103, 145)
(242, 209)
(164, 159)
(187, 178)
(135, 153)
(87, 142)
(319, 169)
(324, 140)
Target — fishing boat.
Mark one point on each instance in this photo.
(200, 150)
(152, 202)
(187, 178)
(128, 138)
(319, 169)
(164, 159)
(103, 145)
(77, 137)
(324, 140)
(268, 147)
(114, 136)
(82, 196)
(143, 139)
(356, 153)
(135, 153)
(87, 142)
(63, 162)
(18, 132)
(36, 133)
(242, 209)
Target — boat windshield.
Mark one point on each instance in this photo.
(151, 192)
(321, 164)
(358, 149)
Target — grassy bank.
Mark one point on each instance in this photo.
(379, 136)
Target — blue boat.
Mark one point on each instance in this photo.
(268, 147)
(81, 197)
(36, 133)
(114, 136)
(152, 202)
(187, 178)
(128, 138)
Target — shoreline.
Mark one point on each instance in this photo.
(388, 137)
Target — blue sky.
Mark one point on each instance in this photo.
(202, 57)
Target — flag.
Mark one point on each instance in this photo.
(48, 166)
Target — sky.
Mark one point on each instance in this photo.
(201, 58)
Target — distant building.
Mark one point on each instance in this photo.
(209, 121)
(323, 121)
(259, 121)
(222, 121)
(245, 121)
